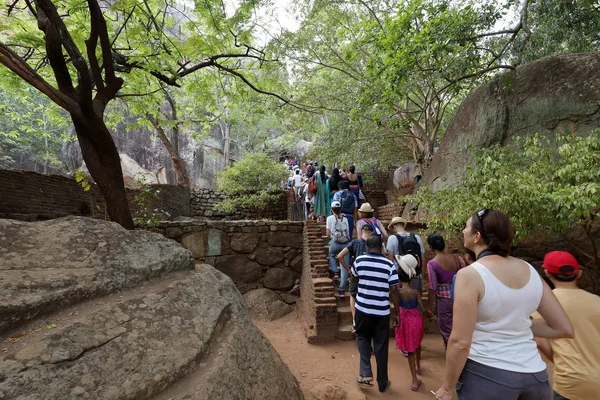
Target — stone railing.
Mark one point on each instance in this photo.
(255, 254)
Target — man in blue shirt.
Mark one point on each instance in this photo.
(377, 283)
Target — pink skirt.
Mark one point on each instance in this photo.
(409, 333)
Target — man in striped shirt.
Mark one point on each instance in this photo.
(377, 283)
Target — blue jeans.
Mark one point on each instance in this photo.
(344, 274)
(350, 218)
(334, 250)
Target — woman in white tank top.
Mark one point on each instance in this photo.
(491, 353)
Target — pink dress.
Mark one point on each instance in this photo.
(409, 333)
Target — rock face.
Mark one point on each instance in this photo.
(47, 265)
(266, 305)
(186, 335)
(554, 94)
(190, 339)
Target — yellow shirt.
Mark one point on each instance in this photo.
(577, 360)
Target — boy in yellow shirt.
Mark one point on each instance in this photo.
(577, 360)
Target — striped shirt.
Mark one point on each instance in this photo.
(376, 275)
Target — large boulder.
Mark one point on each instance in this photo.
(555, 94)
(266, 305)
(134, 175)
(47, 265)
(186, 338)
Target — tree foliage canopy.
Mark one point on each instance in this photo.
(543, 186)
(253, 182)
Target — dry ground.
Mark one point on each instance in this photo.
(337, 363)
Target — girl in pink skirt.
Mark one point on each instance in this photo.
(409, 332)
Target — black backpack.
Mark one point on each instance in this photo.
(348, 202)
(408, 244)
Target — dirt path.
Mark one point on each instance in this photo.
(337, 363)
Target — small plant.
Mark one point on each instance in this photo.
(82, 179)
(144, 216)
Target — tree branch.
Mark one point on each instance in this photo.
(13, 62)
(58, 25)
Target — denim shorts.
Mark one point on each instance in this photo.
(481, 382)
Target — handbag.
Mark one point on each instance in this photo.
(313, 186)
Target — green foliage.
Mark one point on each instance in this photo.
(82, 179)
(145, 195)
(543, 186)
(32, 128)
(253, 182)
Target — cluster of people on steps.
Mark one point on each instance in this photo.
(319, 189)
(496, 314)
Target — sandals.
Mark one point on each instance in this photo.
(416, 388)
(365, 382)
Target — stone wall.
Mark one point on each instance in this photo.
(30, 196)
(255, 254)
(204, 204)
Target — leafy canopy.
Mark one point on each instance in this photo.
(252, 182)
(543, 186)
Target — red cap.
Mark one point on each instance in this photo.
(560, 263)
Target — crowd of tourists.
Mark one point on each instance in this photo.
(313, 184)
(496, 314)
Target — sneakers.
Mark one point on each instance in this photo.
(341, 293)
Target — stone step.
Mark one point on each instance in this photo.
(344, 315)
(325, 300)
(345, 332)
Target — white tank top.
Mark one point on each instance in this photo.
(502, 337)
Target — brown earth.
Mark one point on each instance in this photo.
(337, 363)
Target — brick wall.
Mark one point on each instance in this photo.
(318, 306)
(389, 211)
(204, 204)
(255, 254)
(30, 196)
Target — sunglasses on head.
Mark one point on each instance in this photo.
(480, 215)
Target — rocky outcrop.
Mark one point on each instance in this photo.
(266, 305)
(190, 339)
(47, 265)
(554, 94)
(186, 335)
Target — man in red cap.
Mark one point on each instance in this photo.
(577, 360)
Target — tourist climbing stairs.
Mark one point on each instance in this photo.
(326, 288)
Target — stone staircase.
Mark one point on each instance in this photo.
(326, 288)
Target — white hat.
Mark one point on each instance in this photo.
(336, 204)
(408, 263)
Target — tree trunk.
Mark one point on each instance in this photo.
(102, 160)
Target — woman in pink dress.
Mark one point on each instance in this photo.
(410, 330)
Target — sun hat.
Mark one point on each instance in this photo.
(408, 263)
(336, 204)
(366, 207)
(561, 263)
(397, 220)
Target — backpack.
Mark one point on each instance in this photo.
(410, 245)
(340, 232)
(348, 201)
(374, 225)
